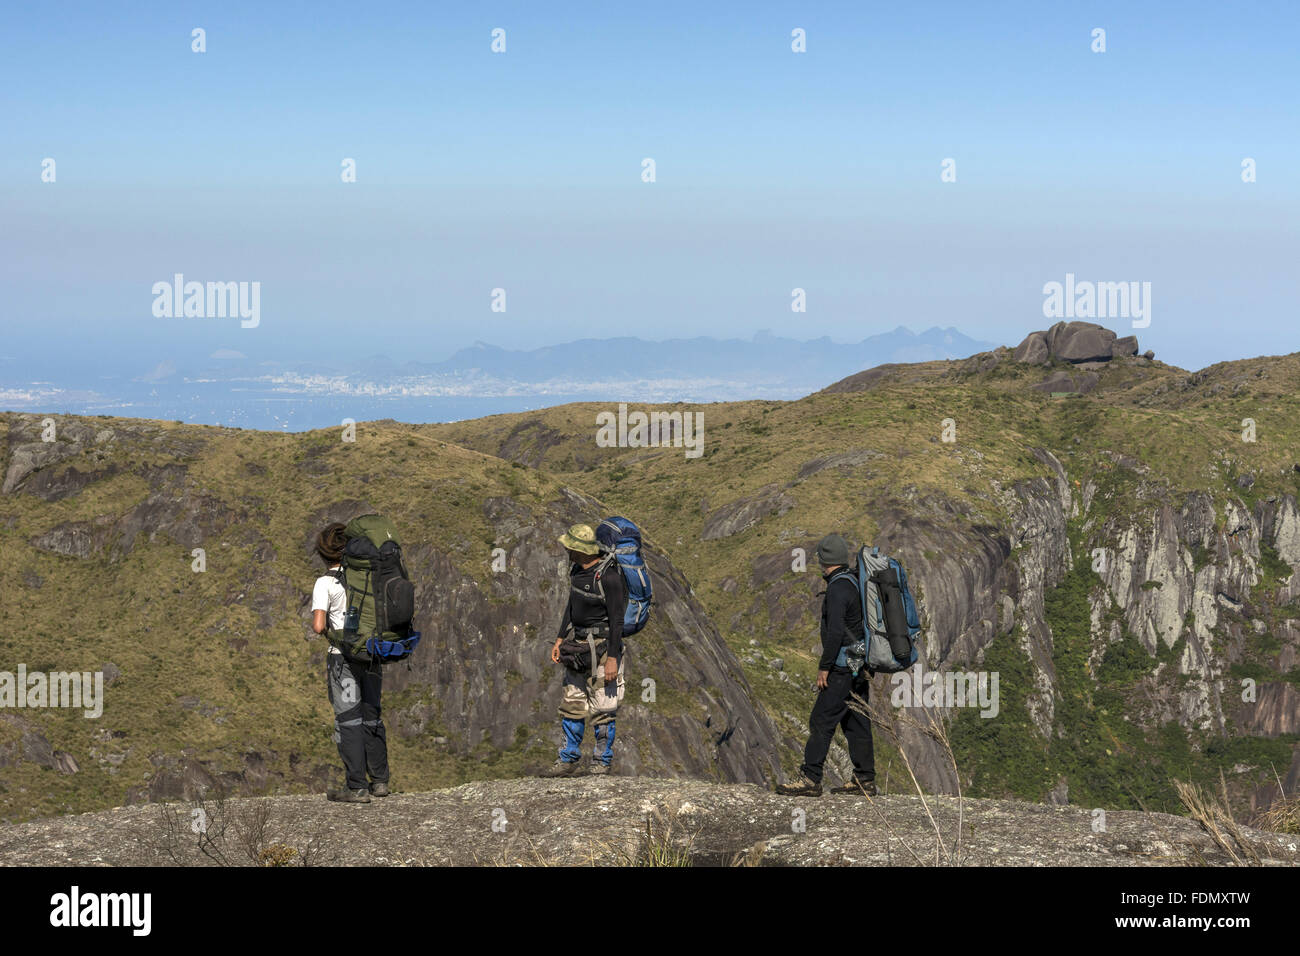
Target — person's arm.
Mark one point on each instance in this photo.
(838, 597)
(615, 607)
(566, 623)
(320, 602)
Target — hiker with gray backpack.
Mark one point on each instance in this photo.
(868, 624)
(609, 599)
(364, 604)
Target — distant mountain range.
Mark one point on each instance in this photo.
(764, 359)
(230, 388)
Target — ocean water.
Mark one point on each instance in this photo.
(219, 404)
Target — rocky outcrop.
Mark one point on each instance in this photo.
(40, 446)
(26, 459)
(1128, 345)
(1190, 572)
(744, 513)
(843, 461)
(1079, 382)
(619, 821)
(484, 658)
(170, 510)
(28, 743)
(1181, 576)
(1074, 342)
(1033, 349)
(186, 777)
(528, 442)
(973, 579)
(74, 539)
(1275, 711)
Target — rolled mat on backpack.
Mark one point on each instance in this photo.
(895, 612)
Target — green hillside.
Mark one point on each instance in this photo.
(1146, 436)
(1100, 695)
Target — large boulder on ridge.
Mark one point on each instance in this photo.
(1074, 342)
(1080, 341)
(1033, 349)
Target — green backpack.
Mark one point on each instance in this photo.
(380, 596)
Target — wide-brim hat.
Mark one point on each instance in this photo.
(581, 538)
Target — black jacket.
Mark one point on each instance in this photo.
(586, 609)
(841, 619)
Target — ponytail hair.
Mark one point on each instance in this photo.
(330, 543)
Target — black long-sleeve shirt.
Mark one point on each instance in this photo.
(585, 607)
(841, 619)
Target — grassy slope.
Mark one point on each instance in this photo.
(1186, 429)
(77, 619)
(1189, 436)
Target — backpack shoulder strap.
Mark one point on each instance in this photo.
(601, 568)
(850, 573)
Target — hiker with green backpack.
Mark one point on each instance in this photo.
(364, 604)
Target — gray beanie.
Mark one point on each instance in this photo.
(832, 549)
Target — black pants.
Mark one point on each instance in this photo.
(354, 689)
(831, 711)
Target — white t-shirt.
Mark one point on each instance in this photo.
(328, 596)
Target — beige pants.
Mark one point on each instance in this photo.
(584, 696)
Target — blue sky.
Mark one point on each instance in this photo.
(522, 170)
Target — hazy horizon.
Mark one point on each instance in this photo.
(229, 388)
(775, 170)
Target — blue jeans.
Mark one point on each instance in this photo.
(573, 731)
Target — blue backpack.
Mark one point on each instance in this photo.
(622, 539)
(889, 616)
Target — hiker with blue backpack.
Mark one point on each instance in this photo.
(609, 598)
(868, 624)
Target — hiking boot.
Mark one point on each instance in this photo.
(379, 789)
(859, 787)
(599, 769)
(344, 795)
(802, 787)
(562, 768)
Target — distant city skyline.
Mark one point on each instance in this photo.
(229, 388)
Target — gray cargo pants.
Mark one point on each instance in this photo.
(354, 689)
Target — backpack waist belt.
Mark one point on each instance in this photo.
(590, 634)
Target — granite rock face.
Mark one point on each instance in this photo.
(1182, 574)
(616, 820)
(483, 658)
(742, 514)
